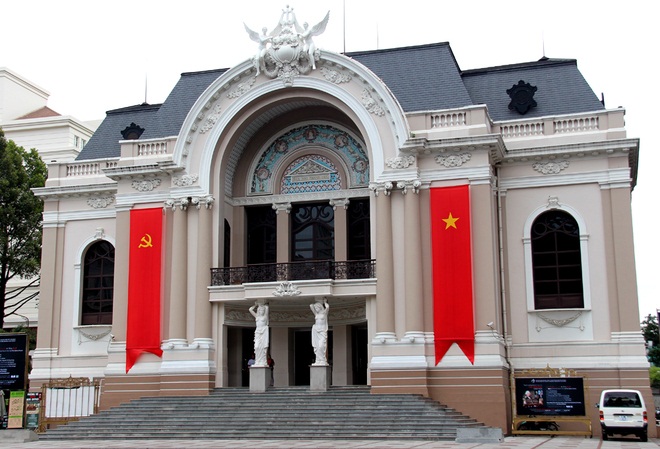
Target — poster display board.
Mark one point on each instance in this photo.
(544, 399)
(553, 396)
(13, 361)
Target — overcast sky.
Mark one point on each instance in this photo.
(93, 56)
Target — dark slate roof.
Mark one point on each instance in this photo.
(104, 142)
(171, 115)
(561, 88)
(422, 78)
(161, 120)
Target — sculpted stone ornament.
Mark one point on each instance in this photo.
(260, 314)
(320, 331)
(289, 50)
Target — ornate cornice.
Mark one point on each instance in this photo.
(371, 105)
(335, 76)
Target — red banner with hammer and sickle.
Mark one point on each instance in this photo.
(453, 314)
(144, 284)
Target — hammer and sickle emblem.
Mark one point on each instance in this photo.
(146, 242)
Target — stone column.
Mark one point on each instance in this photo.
(341, 232)
(51, 255)
(413, 269)
(120, 300)
(202, 318)
(283, 211)
(179, 273)
(385, 264)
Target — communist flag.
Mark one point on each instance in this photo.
(144, 276)
(453, 315)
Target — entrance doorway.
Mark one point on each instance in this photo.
(303, 355)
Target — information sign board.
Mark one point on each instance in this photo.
(13, 361)
(551, 396)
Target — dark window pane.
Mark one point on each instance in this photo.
(556, 259)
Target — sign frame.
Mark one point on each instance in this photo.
(531, 423)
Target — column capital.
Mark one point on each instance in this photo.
(278, 207)
(340, 202)
(207, 201)
(385, 187)
(176, 203)
(410, 184)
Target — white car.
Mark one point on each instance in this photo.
(623, 412)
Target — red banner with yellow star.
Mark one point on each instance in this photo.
(453, 314)
(144, 283)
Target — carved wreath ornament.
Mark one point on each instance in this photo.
(288, 50)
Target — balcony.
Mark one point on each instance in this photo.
(294, 271)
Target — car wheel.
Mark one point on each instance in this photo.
(605, 436)
(643, 437)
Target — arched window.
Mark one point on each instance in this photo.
(98, 284)
(556, 261)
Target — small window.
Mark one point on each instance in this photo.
(98, 284)
(557, 261)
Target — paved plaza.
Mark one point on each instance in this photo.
(518, 442)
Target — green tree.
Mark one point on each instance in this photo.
(20, 219)
(652, 338)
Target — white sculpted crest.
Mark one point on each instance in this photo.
(289, 50)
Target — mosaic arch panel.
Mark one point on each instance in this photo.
(311, 173)
(340, 142)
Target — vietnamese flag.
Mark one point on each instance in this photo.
(144, 278)
(453, 314)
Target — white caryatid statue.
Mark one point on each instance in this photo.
(260, 314)
(289, 50)
(320, 331)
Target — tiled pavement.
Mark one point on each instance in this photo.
(518, 442)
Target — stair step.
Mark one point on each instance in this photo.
(282, 413)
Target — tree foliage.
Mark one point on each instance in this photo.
(20, 217)
(651, 335)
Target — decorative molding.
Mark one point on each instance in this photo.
(286, 289)
(146, 185)
(550, 168)
(400, 162)
(340, 202)
(413, 185)
(335, 76)
(185, 180)
(198, 201)
(242, 88)
(385, 187)
(559, 322)
(99, 234)
(174, 203)
(93, 333)
(211, 119)
(279, 207)
(289, 50)
(100, 202)
(371, 104)
(453, 160)
(553, 202)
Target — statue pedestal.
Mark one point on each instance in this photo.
(319, 377)
(259, 379)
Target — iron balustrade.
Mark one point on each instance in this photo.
(294, 271)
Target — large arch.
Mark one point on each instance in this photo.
(227, 101)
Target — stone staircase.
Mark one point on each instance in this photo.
(280, 413)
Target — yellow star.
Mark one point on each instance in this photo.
(451, 221)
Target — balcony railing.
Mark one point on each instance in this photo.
(294, 271)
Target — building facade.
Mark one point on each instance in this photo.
(302, 176)
(26, 119)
